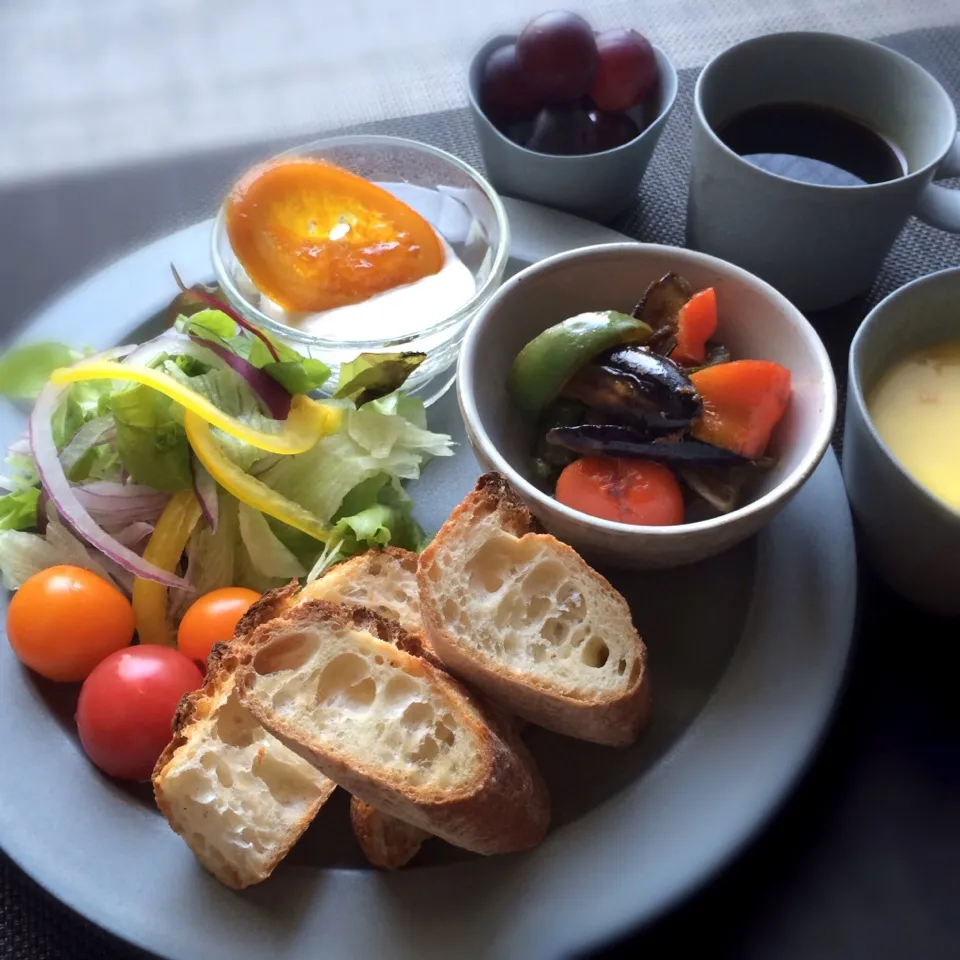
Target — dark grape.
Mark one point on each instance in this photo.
(626, 70)
(563, 130)
(613, 129)
(518, 132)
(505, 93)
(558, 55)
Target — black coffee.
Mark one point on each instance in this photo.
(811, 143)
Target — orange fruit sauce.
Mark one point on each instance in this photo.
(312, 236)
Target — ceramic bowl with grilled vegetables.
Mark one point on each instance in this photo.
(653, 405)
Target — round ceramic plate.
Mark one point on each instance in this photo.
(747, 653)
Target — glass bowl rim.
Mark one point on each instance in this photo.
(483, 293)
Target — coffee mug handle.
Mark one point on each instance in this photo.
(940, 206)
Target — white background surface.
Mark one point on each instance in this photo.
(88, 83)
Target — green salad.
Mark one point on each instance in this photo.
(199, 460)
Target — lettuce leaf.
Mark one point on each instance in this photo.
(24, 554)
(268, 555)
(18, 510)
(374, 375)
(298, 374)
(372, 441)
(25, 370)
(151, 443)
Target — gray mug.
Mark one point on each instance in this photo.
(819, 245)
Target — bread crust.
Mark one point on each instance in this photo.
(388, 843)
(613, 720)
(201, 705)
(504, 809)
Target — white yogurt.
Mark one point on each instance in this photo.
(399, 312)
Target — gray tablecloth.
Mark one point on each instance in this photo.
(873, 885)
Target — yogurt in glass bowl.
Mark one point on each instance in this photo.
(428, 316)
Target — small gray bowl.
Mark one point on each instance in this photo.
(754, 322)
(595, 185)
(909, 536)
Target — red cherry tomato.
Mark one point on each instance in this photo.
(126, 708)
(211, 618)
(64, 620)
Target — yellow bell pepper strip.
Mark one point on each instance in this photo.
(307, 423)
(244, 487)
(164, 549)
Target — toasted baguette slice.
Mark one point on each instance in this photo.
(388, 843)
(523, 618)
(333, 684)
(384, 581)
(237, 796)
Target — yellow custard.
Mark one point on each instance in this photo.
(916, 410)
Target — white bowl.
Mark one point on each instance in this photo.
(755, 322)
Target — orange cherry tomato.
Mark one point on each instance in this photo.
(312, 236)
(64, 620)
(625, 491)
(212, 618)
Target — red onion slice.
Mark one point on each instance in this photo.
(272, 394)
(135, 535)
(115, 505)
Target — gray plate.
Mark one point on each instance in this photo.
(747, 653)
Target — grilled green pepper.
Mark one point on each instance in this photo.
(545, 364)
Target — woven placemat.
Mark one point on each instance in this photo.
(33, 926)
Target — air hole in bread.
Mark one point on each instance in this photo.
(538, 607)
(554, 630)
(345, 682)
(621, 667)
(443, 732)
(398, 691)
(234, 726)
(538, 651)
(378, 660)
(288, 653)
(635, 672)
(595, 652)
(427, 750)
(418, 714)
(544, 580)
(249, 835)
(450, 609)
(287, 786)
(224, 775)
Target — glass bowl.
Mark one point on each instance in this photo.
(460, 205)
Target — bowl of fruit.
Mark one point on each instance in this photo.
(568, 117)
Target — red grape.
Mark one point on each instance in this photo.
(505, 93)
(613, 129)
(519, 132)
(563, 130)
(626, 70)
(558, 54)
